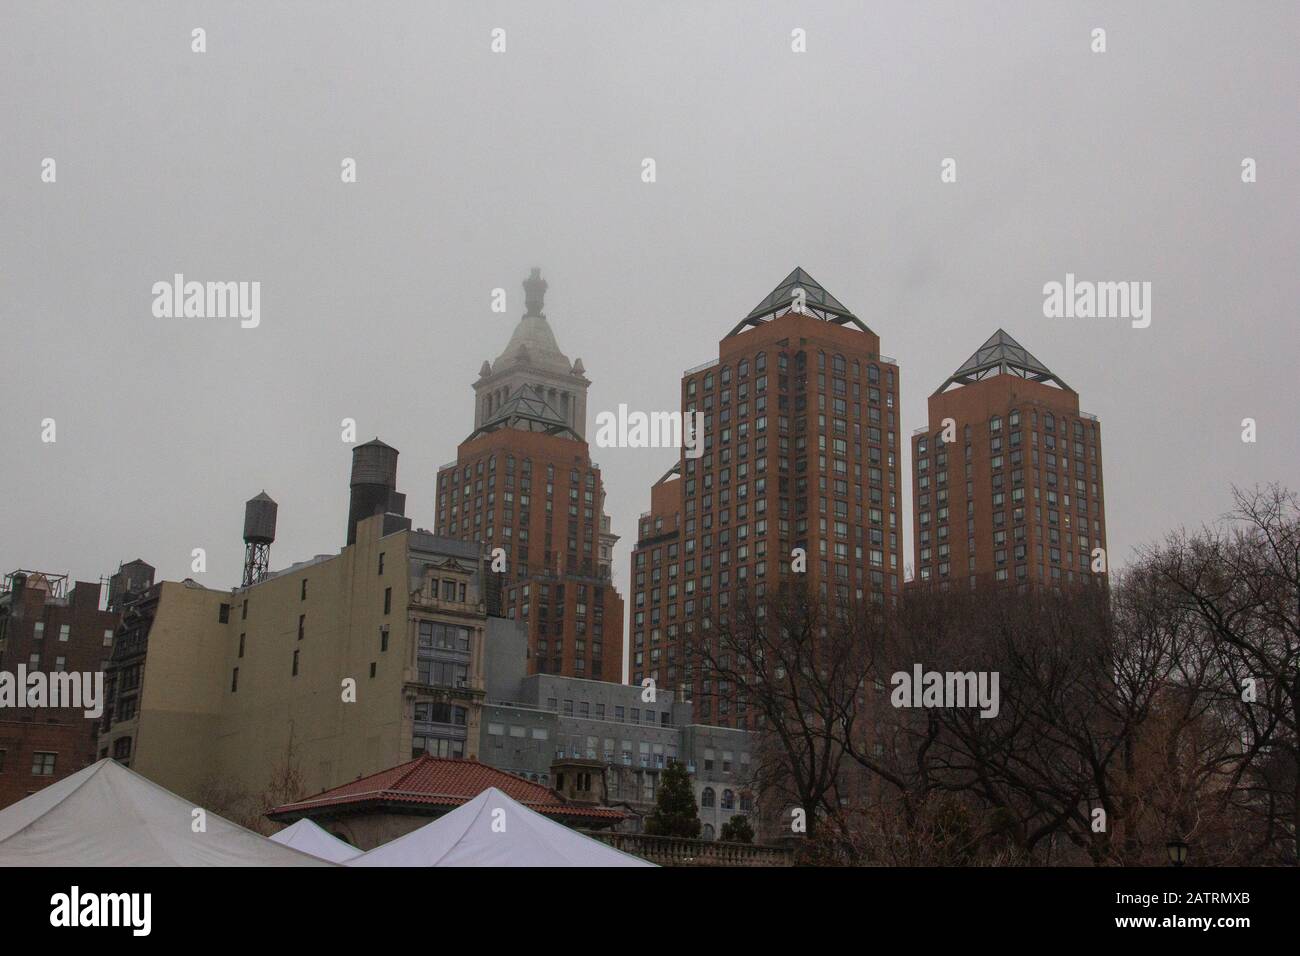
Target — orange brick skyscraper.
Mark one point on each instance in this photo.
(1016, 495)
(801, 446)
(524, 481)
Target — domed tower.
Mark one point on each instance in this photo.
(532, 360)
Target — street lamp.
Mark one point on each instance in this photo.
(1177, 850)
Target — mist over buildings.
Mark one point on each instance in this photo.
(473, 167)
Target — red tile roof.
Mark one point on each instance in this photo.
(444, 782)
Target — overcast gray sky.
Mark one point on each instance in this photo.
(474, 166)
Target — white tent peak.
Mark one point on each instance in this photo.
(495, 830)
(109, 815)
(307, 837)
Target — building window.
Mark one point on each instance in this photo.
(302, 625)
(381, 562)
(383, 639)
(437, 747)
(122, 748)
(43, 764)
(446, 637)
(295, 663)
(38, 633)
(241, 644)
(388, 600)
(234, 680)
(64, 631)
(108, 636)
(728, 800)
(708, 798)
(442, 673)
(223, 615)
(303, 595)
(243, 614)
(372, 670)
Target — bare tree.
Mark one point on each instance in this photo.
(798, 667)
(1241, 580)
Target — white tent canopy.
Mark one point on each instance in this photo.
(494, 830)
(307, 837)
(107, 815)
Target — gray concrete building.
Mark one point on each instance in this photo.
(603, 742)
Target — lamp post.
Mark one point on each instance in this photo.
(1177, 850)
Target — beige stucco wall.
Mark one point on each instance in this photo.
(228, 749)
(180, 701)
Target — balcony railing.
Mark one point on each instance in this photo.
(678, 851)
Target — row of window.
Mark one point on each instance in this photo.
(60, 663)
(585, 708)
(43, 763)
(65, 633)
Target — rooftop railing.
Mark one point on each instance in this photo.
(701, 368)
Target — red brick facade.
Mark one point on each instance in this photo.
(801, 451)
(1018, 497)
(49, 633)
(539, 497)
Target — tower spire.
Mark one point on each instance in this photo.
(534, 293)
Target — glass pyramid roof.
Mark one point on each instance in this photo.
(1002, 355)
(817, 302)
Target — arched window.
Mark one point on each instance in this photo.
(708, 798)
(728, 800)
(707, 832)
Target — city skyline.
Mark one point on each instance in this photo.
(166, 426)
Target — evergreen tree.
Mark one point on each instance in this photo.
(675, 813)
(737, 830)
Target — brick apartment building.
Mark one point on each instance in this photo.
(48, 629)
(524, 481)
(801, 445)
(1017, 495)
